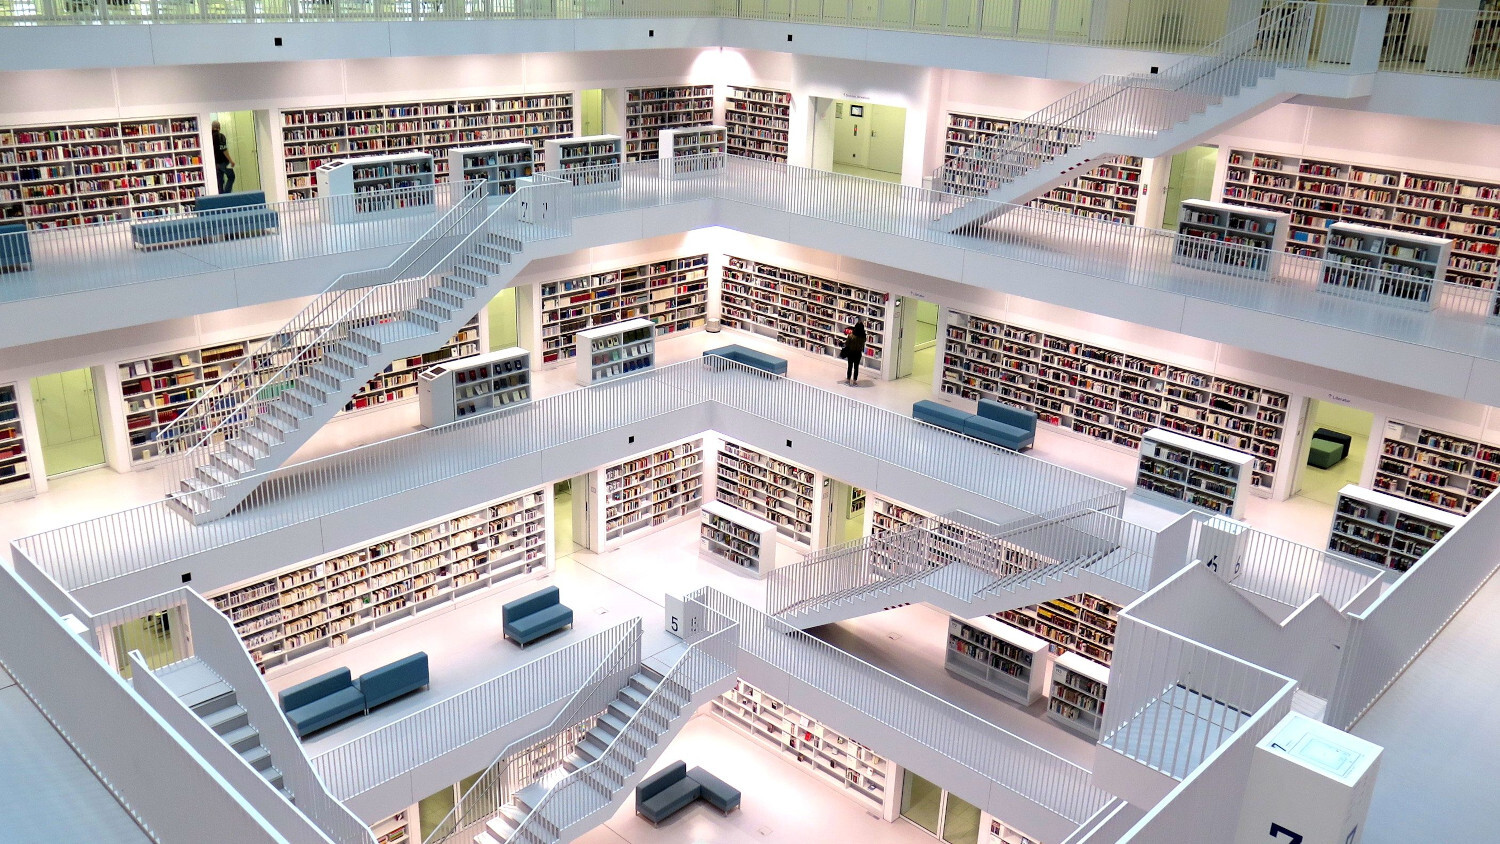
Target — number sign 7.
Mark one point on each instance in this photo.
(1277, 830)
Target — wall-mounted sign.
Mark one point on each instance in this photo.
(856, 111)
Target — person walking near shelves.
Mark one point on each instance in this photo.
(853, 351)
(223, 163)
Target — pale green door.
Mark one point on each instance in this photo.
(1191, 176)
(887, 138)
(68, 420)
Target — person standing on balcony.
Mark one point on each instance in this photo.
(853, 351)
(223, 162)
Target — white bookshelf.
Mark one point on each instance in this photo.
(326, 601)
(499, 165)
(973, 140)
(368, 181)
(1365, 262)
(775, 490)
(952, 540)
(1220, 237)
(600, 154)
(805, 311)
(737, 537)
(758, 122)
(1199, 473)
(1108, 395)
(1082, 624)
(68, 174)
(1000, 832)
(1384, 529)
(649, 110)
(836, 760)
(997, 657)
(672, 293)
(15, 463)
(475, 385)
(1078, 690)
(647, 492)
(393, 830)
(1436, 468)
(398, 381)
(615, 350)
(697, 149)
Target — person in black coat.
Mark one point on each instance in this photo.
(853, 351)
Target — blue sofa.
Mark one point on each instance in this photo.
(213, 218)
(534, 616)
(749, 357)
(326, 700)
(674, 788)
(996, 423)
(389, 682)
(15, 248)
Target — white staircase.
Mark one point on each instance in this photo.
(216, 704)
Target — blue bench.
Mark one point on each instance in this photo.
(941, 415)
(674, 788)
(534, 616)
(213, 218)
(333, 697)
(996, 423)
(389, 682)
(15, 248)
(749, 357)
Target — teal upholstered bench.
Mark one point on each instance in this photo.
(534, 616)
(1011, 427)
(15, 248)
(389, 682)
(941, 415)
(674, 788)
(749, 357)
(322, 701)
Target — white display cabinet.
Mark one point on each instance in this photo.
(1233, 239)
(1078, 690)
(735, 536)
(1384, 529)
(615, 350)
(647, 111)
(1381, 265)
(645, 493)
(377, 184)
(698, 149)
(1309, 783)
(480, 384)
(672, 292)
(499, 165)
(601, 155)
(1199, 473)
(996, 657)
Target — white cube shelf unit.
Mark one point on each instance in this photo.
(997, 657)
(398, 382)
(474, 385)
(699, 149)
(673, 293)
(805, 311)
(499, 165)
(311, 137)
(737, 537)
(372, 184)
(615, 351)
(835, 759)
(1233, 239)
(773, 489)
(1082, 624)
(600, 155)
(1187, 469)
(15, 463)
(1079, 688)
(647, 492)
(759, 122)
(1436, 468)
(1382, 265)
(1384, 529)
(1321, 192)
(329, 600)
(649, 110)
(97, 171)
(1108, 395)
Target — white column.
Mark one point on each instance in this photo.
(1309, 784)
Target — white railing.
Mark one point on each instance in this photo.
(1290, 573)
(1450, 42)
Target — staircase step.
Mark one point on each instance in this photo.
(214, 474)
(528, 797)
(242, 738)
(247, 449)
(487, 837)
(210, 698)
(622, 709)
(273, 776)
(232, 463)
(226, 720)
(258, 757)
(462, 286)
(645, 683)
(613, 722)
(188, 504)
(636, 697)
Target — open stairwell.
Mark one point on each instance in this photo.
(216, 704)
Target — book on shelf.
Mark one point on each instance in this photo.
(769, 488)
(672, 293)
(647, 492)
(649, 110)
(733, 535)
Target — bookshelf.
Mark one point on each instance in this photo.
(758, 122)
(774, 490)
(392, 830)
(587, 152)
(311, 137)
(398, 381)
(479, 384)
(997, 657)
(1079, 688)
(837, 760)
(1200, 473)
(155, 390)
(683, 150)
(499, 165)
(950, 538)
(1359, 262)
(649, 110)
(408, 172)
(1436, 468)
(1108, 395)
(1384, 529)
(737, 537)
(326, 601)
(1320, 192)
(1080, 624)
(615, 350)
(1232, 230)
(804, 311)
(673, 293)
(647, 492)
(15, 463)
(1001, 832)
(69, 174)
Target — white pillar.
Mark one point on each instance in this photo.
(1309, 784)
